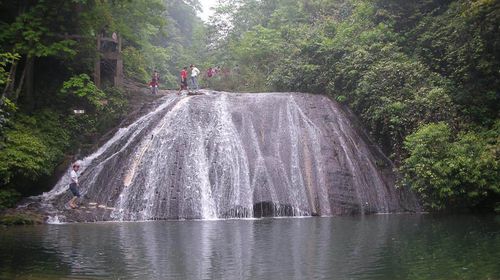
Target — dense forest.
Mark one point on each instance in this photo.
(47, 56)
(423, 77)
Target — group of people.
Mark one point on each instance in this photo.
(195, 72)
(154, 84)
(218, 71)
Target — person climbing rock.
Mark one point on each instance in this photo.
(194, 76)
(73, 186)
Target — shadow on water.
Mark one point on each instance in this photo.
(365, 247)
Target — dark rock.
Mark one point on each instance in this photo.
(242, 155)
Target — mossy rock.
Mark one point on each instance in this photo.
(20, 218)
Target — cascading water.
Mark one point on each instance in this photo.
(229, 155)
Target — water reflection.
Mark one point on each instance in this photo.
(370, 247)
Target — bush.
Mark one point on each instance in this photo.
(32, 148)
(396, 95)
(102, 107)
(8, 198)
(20, 218)
(7, 108)
(81, 91)
(453, 172)
(6, 59)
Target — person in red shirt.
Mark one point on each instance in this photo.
(184, 84)
(154, 86)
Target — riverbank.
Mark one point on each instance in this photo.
(13, 216)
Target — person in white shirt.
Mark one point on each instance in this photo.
(194, 74)
(73, 186)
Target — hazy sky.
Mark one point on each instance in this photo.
(207, 4)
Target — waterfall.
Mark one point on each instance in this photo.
(235, 155)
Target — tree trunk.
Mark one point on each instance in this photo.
(26, 84)
(9, 87)
(30, 94)
(21, 81)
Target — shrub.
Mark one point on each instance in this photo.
(33, 146)
(452, 172)
(82, 91)
(8, 198)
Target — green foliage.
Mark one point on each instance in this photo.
(46, 46)
(461, 43)
(33, 147)
(6, 59)
(21, 218)
(85, 91)
(135, 65)
(8, 198)
(85, 127)
(398, 64)
(341, 98)
(24, 154)
(259, 46)
(115, 108)
(7, 108)
(447, 172)
(184, 38)
(394, 96)
(32, 33)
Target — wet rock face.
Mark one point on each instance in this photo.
(223, 155)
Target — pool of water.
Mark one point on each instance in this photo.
(369, 247)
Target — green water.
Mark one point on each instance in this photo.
(370, 247)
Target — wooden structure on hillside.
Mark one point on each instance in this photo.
(108, 67)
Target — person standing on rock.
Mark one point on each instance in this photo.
(154, 84)
(74, 186)
(184, 83)
(194, 76)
